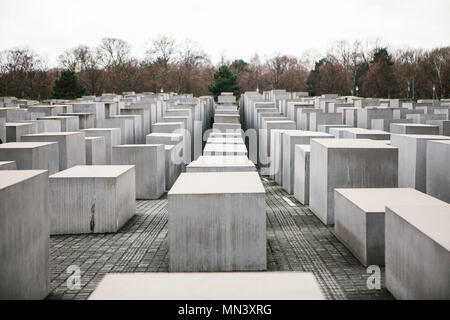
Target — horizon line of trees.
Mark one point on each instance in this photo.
(348, 68)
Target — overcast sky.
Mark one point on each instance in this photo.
(233, 28)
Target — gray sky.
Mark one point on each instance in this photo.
(234, 28)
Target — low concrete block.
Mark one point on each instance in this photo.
(221, 164)
(71, 145)
(108, 194)
(444, 126)
(197, 286)
(438, 169)
(112, 138)
(360, 221)
(15, 130)
(8, 165)
(414, 128)
(95, 151)
(85, 120)
(360, 133)
(301, 178)
(150, 165)
(67, 123)
(225, 150)
(348, 163)
(217, 222)
(174, 166)
(24, 235)
(418, 250)
(32, 155)
(412, 160)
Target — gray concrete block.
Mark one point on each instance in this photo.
(289, 140)
(385, 124)
(71, 145)
(85, 120)
(438, 169)
(15, 130)
(125, 125)
(326, 127)
(67, 123)
(32, 155)
(301, 177)
(413, 128)
(95, 150)
(24, 235)
(217, 222)
(412, 160)
(2, 130)
(221, 164)
(8, 165)
(444, 126)
(348, 163)
(173, 166)
(360, 133)
(360, 221)
(197, 286)
(150, 165)
(418, 250)
(112, 138)
(321, 118)
(225, 150)
(108, 194)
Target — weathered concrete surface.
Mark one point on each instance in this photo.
(108, 194)
(217, 222)
(225, 150)
(24, 235)
(221, 164)
(197, 286)
(301, 177)
(15, 130)
(414, 128)
(95, 150)
(150, 166)
(68, 123)
(412, 160)
(359, 218)
(71, 145)
(32, 155)
(8, 165)
(348, 163)
(444, 126)
(112, 138)
(361, 133)
(418, 250)
(438, 169)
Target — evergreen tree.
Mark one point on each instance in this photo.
(67, 86)
(226, 81)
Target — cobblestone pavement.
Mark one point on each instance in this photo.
(297, 241)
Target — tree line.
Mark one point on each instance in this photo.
(348, 68)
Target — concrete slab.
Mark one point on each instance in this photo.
(225, 150)
(8, 165)
(221, 164)
(209, 286)
(412, 161)
(24, 235)
(71, 146)
(438, 169)
(217, 222)
(32, 155)
(414, 128)
(150, 166)
(348, 163)
(95, 150)
(360, 133)
(112, 138)
(108, 194)
(417, 239)
(301, 178)
(67, 123)
(15, 130)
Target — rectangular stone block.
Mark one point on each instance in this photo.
(289, 140)
(112, 138)
(197, 286)
(164, 138)
(67, 123)
(108, 194)
(224, 127)
(444, 126)
(145, 117)
(50, 110)
(321, 118)
(95, 150)
(366, 115)
(414, 128)
(385, 124)
(24, 235)
(2, 130)
(138, 133)
(8, 165)
(360, 133)
(174, 165)
(226, 118)
(412, 160)
(301, 178)
(32, 155)
(125, 125)
(85, 120)
(71, 145)
(326, 127)
(226, 140)
(221, 164)
(348, 163)
(225, 150)
(217, 222)
(422, 118)
(418, 250)
(15, 130)
(359, 216)
(438, 169)
(265, 135)
(95, 108)
(150, 165)
(13, 114)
